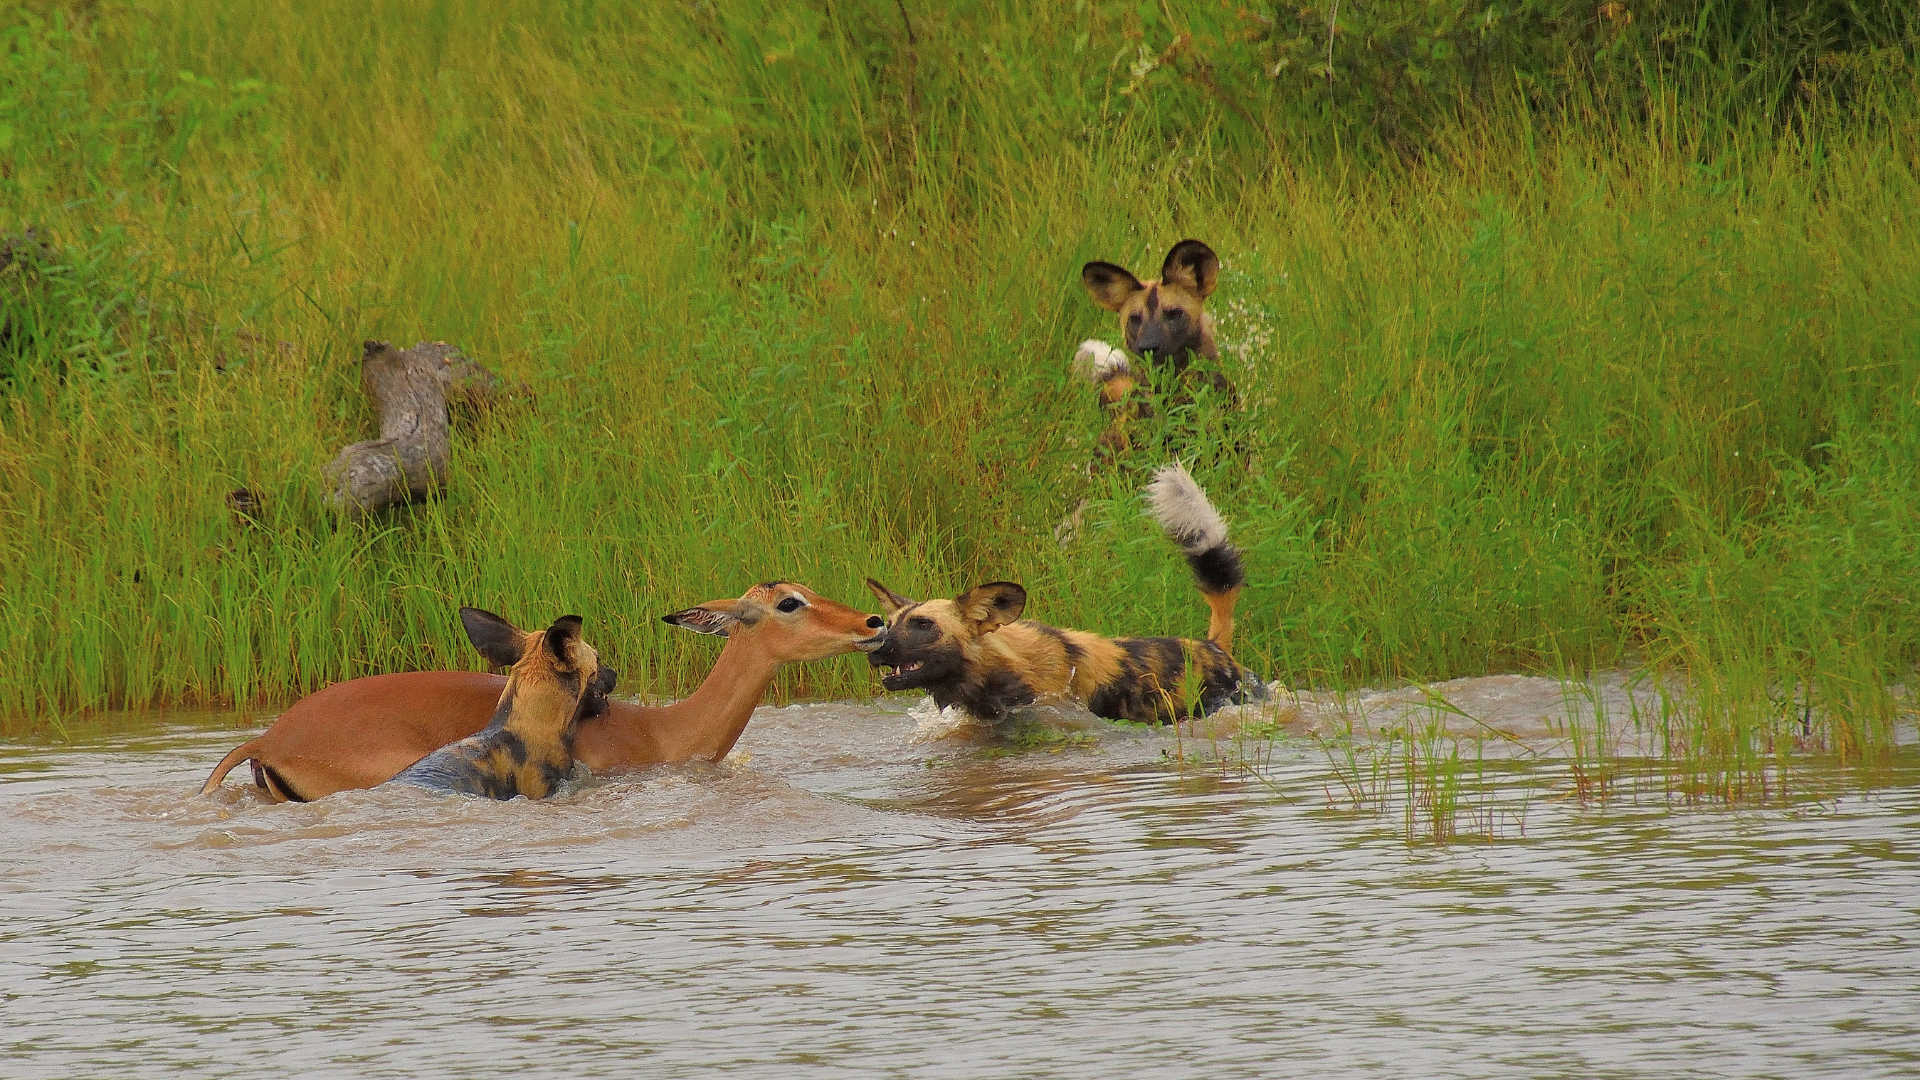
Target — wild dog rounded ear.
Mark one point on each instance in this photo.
(717, 617)
(1192, 265)
(890, 602)
(561, 636)
(1110, 286)
(499, 641)
(991, 606)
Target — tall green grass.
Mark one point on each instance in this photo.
(1565, 384)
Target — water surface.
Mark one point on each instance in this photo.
(863, 892)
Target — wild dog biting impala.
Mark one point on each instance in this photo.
(527, 748)
(1164, 322)
(976, 652)
(360, 733)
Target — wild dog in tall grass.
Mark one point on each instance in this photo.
(976, 652)
(527, 749)
(1164, 323)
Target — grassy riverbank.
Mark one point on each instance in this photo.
(1603, 379)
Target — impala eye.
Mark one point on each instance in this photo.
(791, 603)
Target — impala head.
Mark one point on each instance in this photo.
(1161, 320)
(928, 642)
(552, 658)
(792, 621)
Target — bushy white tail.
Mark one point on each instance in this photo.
(1190, 520)
(1098, 361)
(1183, 511)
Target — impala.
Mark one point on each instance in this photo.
(363, 732)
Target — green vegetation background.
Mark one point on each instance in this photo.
(1570, 335)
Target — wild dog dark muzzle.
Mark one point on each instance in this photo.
(918, 657)
(594, 702)
(896, 670)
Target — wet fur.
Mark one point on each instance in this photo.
(989, 672)
(527, 748)
(974, 651)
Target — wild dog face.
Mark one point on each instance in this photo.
(792, 621)
(934, 645)
(1162, 321)
(505, 645)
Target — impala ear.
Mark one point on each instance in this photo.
(991, 606)
(561, 636)
(715, 617)
(1110, 286)
(1193, 265)
(891, 603)
(498, 640)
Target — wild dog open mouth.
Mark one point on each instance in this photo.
(903, 669)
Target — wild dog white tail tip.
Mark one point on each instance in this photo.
(1098, 361)
(1182, 509)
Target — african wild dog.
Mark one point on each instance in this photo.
(1163, 322)
(970, 651)
(527, 749)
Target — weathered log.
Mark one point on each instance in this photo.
(411, 390)
(469, 388)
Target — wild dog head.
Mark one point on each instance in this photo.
(556, 654)
(933, 644)
(506, 645)
(1162, 321)
(791, 621)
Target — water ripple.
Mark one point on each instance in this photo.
(850, 899)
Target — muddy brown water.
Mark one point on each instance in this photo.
(867, 891)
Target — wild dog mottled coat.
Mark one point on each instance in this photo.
(976, 652)
(527, 749)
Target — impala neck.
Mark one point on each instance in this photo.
(707, 722)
